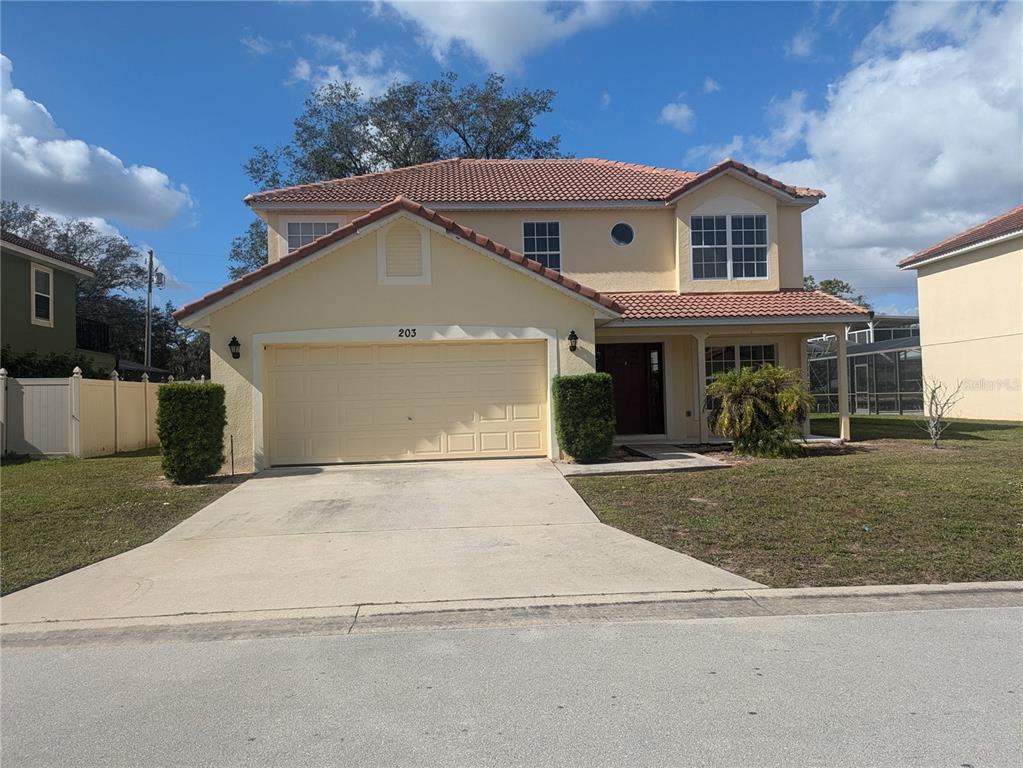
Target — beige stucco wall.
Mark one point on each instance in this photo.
(971, 328)
(648, 264)
(726, 195)
(587, 252)
(340, 290)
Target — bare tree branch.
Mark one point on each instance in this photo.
(939, 399)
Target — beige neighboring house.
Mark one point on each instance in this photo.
(970, 290)
(421, 313)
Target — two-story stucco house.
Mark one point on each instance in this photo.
(421, 313)
(970, 288)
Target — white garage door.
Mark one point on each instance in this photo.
(394, 402)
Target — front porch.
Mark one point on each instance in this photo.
(661, 372)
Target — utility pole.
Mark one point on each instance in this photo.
(149, 307)
(149, 310)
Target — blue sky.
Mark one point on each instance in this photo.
(907, 115)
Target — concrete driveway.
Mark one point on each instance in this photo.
(373, 534)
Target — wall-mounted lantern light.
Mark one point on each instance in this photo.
(573, 340)
(235, 346)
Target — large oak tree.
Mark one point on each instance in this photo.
(341, 133)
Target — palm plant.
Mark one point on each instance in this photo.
(759, 410)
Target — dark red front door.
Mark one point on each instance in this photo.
(636, 371)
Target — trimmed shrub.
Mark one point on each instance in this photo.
(584, 415)
(760, 409)
(190, 420)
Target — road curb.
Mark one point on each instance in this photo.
(530, 611)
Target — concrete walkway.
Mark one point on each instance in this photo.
(662, 458)
(373, 534)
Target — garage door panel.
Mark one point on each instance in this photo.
(365, 402)
(526, 411)
(288, 357)
(462, 444)
(493, 412)
(527, 440)
(322, 356)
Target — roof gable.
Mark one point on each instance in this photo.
(31, 249)
(472, 238)
(1003, 225)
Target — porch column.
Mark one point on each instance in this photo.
(804, 361)
(843, 388)
(701, 385)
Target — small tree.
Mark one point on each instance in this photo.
(759, 410)
(190, 420)
(939, 399)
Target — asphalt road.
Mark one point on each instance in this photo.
(924, 688)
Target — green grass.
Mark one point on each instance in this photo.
(61, 514)
(888, 509)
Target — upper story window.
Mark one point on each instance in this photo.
(541, 241)
(622, 234)
(732, 247)
(304, 232)
(42, 295)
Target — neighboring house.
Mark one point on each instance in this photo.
(421, 313)
(884, 367)
(39, 298)
(970, 290)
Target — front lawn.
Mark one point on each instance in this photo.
(61, 514)
(888, 509)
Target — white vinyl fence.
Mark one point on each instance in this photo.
(76, 416)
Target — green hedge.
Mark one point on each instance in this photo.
(31, 364)
(190, 420)
(584, 415)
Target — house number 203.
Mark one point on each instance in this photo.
(406, 333)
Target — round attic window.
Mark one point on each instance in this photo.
(622, 234)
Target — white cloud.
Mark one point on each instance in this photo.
(708, 154)
(337, 61)
(678, 115)
(790, 120)
(43, 167)
(605, 100)
(918, 141)
(710, 85)
(256, 44)
(501, 34)
(801, 45)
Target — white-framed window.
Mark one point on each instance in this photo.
(42, 295)
(729, 247)
(541, 241)
(304, 232)
(720, 359)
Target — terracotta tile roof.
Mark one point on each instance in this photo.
(669, 305)
(1005, 224)
(728, 164)
(397, 204)
(42, 250)
(508, 181)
